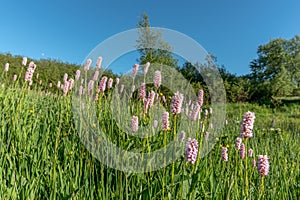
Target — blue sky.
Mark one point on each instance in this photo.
(68, 30)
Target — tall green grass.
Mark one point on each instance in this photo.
(42, 156)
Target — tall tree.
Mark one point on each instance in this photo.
(151, 46)
(277, 67)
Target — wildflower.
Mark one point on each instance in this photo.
(165, 121)
(263, 165)
(29, 72)
(37, 76)
(6, 67)
(200, 97)
(110, 82)
(41, 82)
(50, 84)
(80, 90)
(242, 151)
(87, 64)
(182, 136)
(142, 91)
(77, 75)
(164, 99)
(250, 152)
(24, 61)
(253, 163)
(90, 87)
(155, 123)
(157, 79)
(238, 143)
(224, 154)
(15, 77)
(71, 81)
(102, 84)
(96, 74)
(176, 103)
(195, 112)
(135, 69)
(117, 81)
(65, 77)
(191, 150)
(98, 63)
(151, 96)
(58, 84)
(147, 65)
(247, 124)
(134, 124)
(210, 110)
(66, 87)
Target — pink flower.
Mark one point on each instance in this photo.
(24, 61)
(58, 84)
(155, 123)
(165, 121)
(238, 143)
(77, 75)
(253, 163)
(71, 83)
(110, 82)
(66, 87)
(135, 69)
(90, 87)
(224, 154)
(96, 74)
(80, 90)
(191, 150)
(142, 94)
(98, 63)
(37, 76)
(102, 84)
(263, 165)
(176, 103)
(50, 85)
(15, 78)
(117, 81)
(6, 67)
(65, 77)
(247, 124)
(157, 79)
(151, 97)
(134, 123)
(200, 97)
(195, 112)
(242, 151)
(147, 65)
(87, 64)
(250, 152)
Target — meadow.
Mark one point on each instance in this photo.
(44, 155)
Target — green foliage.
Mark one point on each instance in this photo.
(151, 46)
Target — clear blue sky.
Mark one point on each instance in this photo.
(68, 30)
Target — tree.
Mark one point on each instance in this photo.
(276, 71)
(151, 46)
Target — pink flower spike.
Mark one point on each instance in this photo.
(142, 94)
(135, 123)
(200, 97)
(99, 62)
(110, 82)
(224, 154)
(135, 69)
(24, 61)
(176, 103)
(191, 150)
(6, 67)
(87, 64)
(157, 79)
(165, 121)
(147, 65)
(247, 124)
(242, 151)
(263, 165)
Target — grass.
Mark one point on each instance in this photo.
(43, 157)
